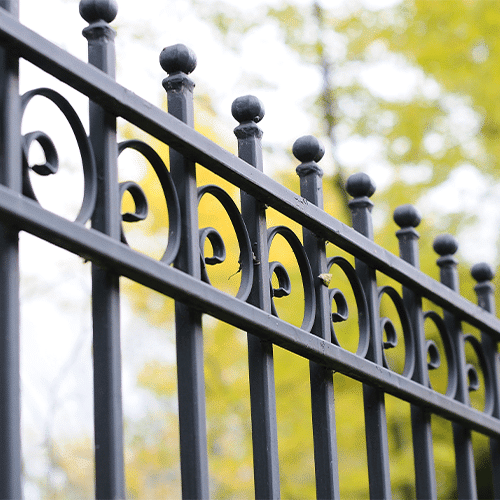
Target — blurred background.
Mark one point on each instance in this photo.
(406, 91)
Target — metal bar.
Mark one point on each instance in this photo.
(25, 214)
(120, 101)
(308, 150)
(484, 289)
(446, 246)
(178, 61)
(248, 111)
(108, 418)
(10, 176)
(360, 186)
(407, 219)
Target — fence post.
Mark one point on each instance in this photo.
(361, 187)
(446, 246)
(108, 418)
(248, 111)
(309, 151)
(10, 176)
(483, 274)
(179, 61)
(408, 218)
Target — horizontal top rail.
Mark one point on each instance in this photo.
(122, 102)
(93, 245)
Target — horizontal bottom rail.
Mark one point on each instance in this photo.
(27, 215)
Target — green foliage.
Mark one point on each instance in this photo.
(454, 49)
(422, 33)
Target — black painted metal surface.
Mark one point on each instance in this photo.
(248, 111)
(309, 151)
(178, 61)
(11, 177)
(181, 274)
(108, 420)
(408, 218)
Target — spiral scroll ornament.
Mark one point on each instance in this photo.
(341, 313)
(434, 357)
(473, 376)
(218, 248)
(51, 164)
(140, 201)
(388, 327)
(284, 283)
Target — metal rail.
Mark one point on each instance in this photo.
(96, 247)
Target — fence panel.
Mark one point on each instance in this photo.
(181, 274)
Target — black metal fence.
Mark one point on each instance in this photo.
(181, 274)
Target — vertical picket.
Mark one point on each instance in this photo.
(408, 218)
(248, 111)
(11, 177)
(179, 61)
(446, 246)
(309, 151)
(361, 187)
(484, 289)
(108, 418)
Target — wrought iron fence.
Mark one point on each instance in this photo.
(181, 274)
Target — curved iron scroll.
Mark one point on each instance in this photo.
(140, 201)
(387, 326)
(434, 363)
(219, 250)
(342, 313)
(284, 284)
(473, 378)
(51, 164)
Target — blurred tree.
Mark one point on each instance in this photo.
(408, 92)
(415, 139)
(446, 54)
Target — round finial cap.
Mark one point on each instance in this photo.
(97, 10)
(359, 185)
(407, 216)
(445, 244)
(307, 148)
(482, 272)
(178, 58)
(247, 108)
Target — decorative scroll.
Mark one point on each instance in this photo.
(140, 200)
(284, 284)
(435, 361)
(51, 164)
(218, 248)
(342, 309)
(472, 375)
(388, 327)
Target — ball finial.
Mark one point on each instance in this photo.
(407, 216)
(178, 58)
(482, 272)
(445, 244)
(359, 185)
(98, 10)
(307, 149)
(247, 108)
